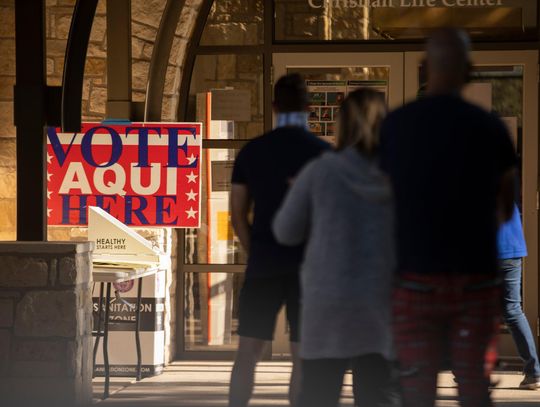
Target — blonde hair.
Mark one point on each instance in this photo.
(360, 119)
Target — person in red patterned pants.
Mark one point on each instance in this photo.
(447, 315)
(452, 167)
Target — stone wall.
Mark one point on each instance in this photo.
(45, 323)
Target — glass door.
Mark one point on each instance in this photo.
(506, 83)
(213, 269)
(211, 261)
(329, 77)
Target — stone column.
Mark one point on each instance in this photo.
(45, 323)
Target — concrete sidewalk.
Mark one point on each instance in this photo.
(205, 384)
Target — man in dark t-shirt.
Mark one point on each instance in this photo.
(262, 173)
(452, 168)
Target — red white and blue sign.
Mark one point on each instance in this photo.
(143, 174)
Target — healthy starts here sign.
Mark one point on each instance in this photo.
(143, 174)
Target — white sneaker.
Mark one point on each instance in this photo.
(530, 383)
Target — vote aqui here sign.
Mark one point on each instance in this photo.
(143, 174)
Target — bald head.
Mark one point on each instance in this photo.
(448, 60)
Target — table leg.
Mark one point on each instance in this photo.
(98, 330)
(106, 342)
(138, 328)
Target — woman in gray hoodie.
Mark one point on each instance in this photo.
(341, 206)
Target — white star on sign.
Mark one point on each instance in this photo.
(192, 177)
(49, 158)
(191, 213)
(49, 193)
(192, 196)
(49, 213)
(49, 175)
(191, 159)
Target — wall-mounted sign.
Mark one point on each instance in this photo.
(404, 3)
(143, 174)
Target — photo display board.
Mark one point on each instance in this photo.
(325, 98)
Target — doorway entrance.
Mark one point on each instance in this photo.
(213, 263)
(504, 82)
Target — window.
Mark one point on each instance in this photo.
(238, 80)
(238, 22)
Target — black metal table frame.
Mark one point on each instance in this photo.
(99, 333)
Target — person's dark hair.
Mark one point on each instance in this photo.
(360, 118)
(290, 94)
